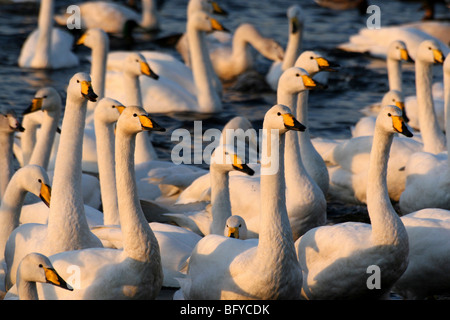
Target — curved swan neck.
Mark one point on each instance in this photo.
(44, 144)
(139, 242)
(10, 211)
(293, 48)
(394, 70)
(6, 160)
(387, 228)
(104, 134)
(220, 200)
(207, 97)
(433, 138)
(67, 220)
(275, 236)
(98, 69)
(45, 25)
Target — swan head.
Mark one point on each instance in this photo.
(430, 52)
(92, 37)
(9, 122)
(225, 158)
(280, 117)
(390, 119)
(201, 21)
(313, 63)
(80, 88)
(46, 99)
(137, 65)
(235, 227)
(108, 110)
(134, 119)
(211, 7)
(36, 267)
(34, 179)
(294, 80)
(397, 51)
(296, 18)
(395, 97)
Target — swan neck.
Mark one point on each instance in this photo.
(275, 234)
(433, 138)
(6, 160)
(149, 14)
(220, 200)
(104, 135)
(132, 89)
(44, 143)
(26, 289)
(28, 139)
(10, 211)
(394, 70)
(447, 112)
(207, 97)
(293, 48)
(41, 58)
(98, 69)
(139, 242)
(387, 227)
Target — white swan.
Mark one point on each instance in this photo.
(235, 227)
(171, 93)
(376, 41)
(30, 178)
(314, 64)
(47, 47)
(34, 268)
(134, 272)
(428, 174)
(232, 58)
(335, 259)
(427, 272)
(112, 17)
(67, 227)
(9, 124)
(348, 178)
(266, 268)
(296, 20)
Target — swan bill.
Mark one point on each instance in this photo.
(146, 70)
(120, 108)
(325, 65)
(308, 82)
(295, 25)
(216, 25)
(291, 123)
(401, 106)
(233, 232)
(150, 125)
(438, 56)
(404, 55)
(217, 9)
(45, 194)
(36, 104)
(81, 40)
(54, 278)
(400, 126)
(87, 92)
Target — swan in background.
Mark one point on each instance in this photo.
(428, 174)
(30, 178)
(296, 20)
(266, 268)
(112, 17)
(169, 94)
(427, 273)
(366, 125)
(9, 124)
(212, 220)
(314, 64)
(34, 268)
(233, 57)
(134, 272)
(67, 227)
(47, 47)
(376, 41)
(235, 227)
(325, 253)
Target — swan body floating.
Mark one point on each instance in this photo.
(266, 268)
(67, 228)
(326, 253)
(47, 47)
